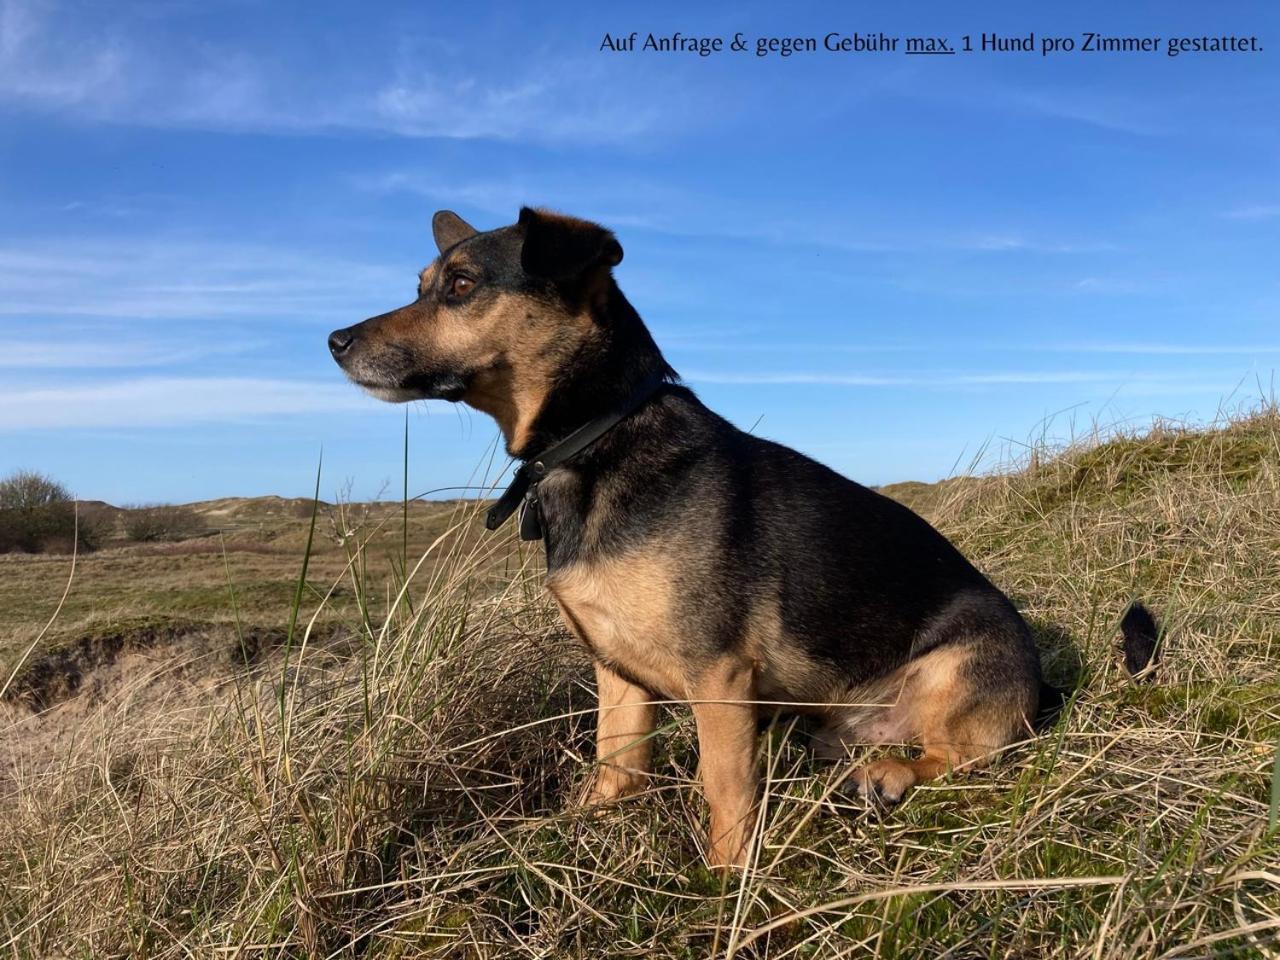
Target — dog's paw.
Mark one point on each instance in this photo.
(594, 798)
(610, 784)
(882, 781)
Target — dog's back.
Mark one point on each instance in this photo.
(854, 581)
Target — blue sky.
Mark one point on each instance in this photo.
(889, 262)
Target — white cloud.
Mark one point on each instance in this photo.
(171, 279)
(1257, 211)
(54, 59)
(1105, 109)
(1019, 242)
(628, 201)
(1165, 349)
(722, 341)
(1114, 285)
(69, 353)
(563, 103)
(171, 401)
(617, 201)
(996, 378)
(45, 67)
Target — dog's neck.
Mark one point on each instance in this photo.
(597, 379)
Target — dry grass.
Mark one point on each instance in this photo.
(410, 792)
(244, 568)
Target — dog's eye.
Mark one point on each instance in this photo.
(460, 286)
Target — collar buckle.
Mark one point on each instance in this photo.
(523, 491)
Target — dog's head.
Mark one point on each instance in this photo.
(496, 317)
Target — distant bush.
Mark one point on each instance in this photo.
(94, 527)
(37, 514)
(10, 532)
(28, 490)
(155, 522)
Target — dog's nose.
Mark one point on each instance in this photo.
(340, 341)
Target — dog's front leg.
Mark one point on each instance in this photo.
(726, 719)
(624, 742)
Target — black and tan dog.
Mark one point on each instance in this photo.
(695, 561)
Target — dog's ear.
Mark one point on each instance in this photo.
(562, 248)
(448, 228)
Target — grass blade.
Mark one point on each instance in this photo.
(1273, 818)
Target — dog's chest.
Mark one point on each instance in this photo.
(622, 610)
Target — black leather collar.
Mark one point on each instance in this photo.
(523, 491)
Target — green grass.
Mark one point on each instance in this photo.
(403, 784)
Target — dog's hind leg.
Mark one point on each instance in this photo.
(624, 736)
(962, 707)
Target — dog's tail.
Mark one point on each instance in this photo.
(1052, 700)
(1140, 642)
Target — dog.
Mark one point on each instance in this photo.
(697, 562)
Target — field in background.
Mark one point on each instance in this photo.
(233, 576)
(398, 777)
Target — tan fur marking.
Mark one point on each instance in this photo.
(425, 277)
(622, 609)
(783, 671)
(623, 736)
(521, 345)
(726, 720)
(933, 704)
(623, 606)
(511, 345)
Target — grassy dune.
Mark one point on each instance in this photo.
(404, 782)
(236, 575)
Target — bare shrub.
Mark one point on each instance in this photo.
(28, 490)
(38, 514)
(348, 520)
(94, 527)
(153, 523)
